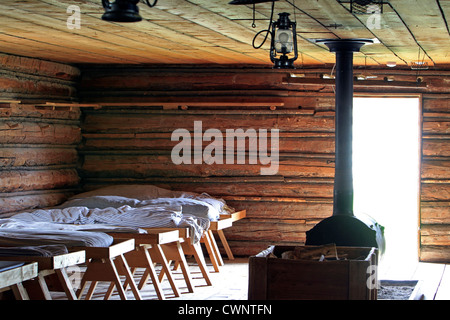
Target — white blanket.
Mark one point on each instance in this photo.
(200, 206)
(36, 237)
(133, 194)
(34, 222)
(127, 208)
(148, 216)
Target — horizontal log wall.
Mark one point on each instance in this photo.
(38, 156)
(305, 166)
(435, 178)
(131, 144)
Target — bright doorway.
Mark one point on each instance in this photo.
(386, 173)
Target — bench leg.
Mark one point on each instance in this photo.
(65, 283)
(20, 293)
(196, 250)
(160, 256)
(37, 288)
(91, 290)
(213, 250)
(101, 270)
(128, 276)
(175, 253)
(44, 288)
(140, 258)
(224, 241)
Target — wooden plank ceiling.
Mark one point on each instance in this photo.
(215, 32)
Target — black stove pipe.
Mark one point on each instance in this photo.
(343, 181)
(343, 228)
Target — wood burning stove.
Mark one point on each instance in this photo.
(343, 228)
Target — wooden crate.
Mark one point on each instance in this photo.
(352, 278)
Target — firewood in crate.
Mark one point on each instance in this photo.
(315, 253)
(328, 251)
(288, 255)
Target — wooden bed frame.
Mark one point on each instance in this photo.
(102, 264)
(13, 278)
(48, 266)
(159, 245)
(163, 245)
(225, 221)
(148, 251)
(172, 251)
(176, 252)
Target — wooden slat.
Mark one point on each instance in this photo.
(119, 247)
(162, 237)
(443, 292)
(366, 83)
(235, 216)
(429, 276)
(221, 224)
(54, 262)
(18, 274)
(182, 232)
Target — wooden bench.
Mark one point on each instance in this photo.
(176, 252)
(225, 221)
(107, 264)
(13, 274)
(148, 251)
(48, 266)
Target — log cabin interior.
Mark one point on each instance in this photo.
(87, 103)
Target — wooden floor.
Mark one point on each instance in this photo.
(231, 283)
(434, 281)
(433, 278)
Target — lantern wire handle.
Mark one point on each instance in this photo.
(253, 22)
(267, 31)
(295, 12)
